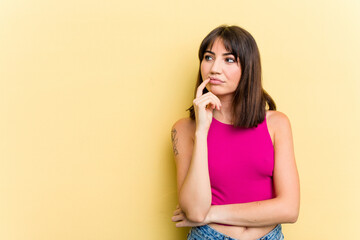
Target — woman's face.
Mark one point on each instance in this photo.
(220, 65)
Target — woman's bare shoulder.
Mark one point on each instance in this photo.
(184, 125)
(182, 136)
(278, 120)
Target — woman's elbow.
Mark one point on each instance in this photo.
(196, 217)
(294, 216)
(195, 214)
(289, 209)
(291, 215)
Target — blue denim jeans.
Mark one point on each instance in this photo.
(208, 233)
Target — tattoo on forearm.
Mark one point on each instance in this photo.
(174, 141)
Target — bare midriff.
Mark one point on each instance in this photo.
(243, 233)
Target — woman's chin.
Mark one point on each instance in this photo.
(216, 91)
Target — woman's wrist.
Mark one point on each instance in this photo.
(210, 216)
(199, 133)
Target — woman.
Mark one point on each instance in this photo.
(236, 170)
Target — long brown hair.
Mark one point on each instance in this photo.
(249, 99)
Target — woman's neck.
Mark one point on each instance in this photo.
(225, 114)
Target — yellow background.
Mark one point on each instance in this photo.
(89, 91)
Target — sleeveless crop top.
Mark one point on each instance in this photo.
(241, 163)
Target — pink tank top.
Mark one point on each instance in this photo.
(241, 163)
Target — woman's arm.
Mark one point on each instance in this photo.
(191, 157)
(284, 208)
(194, 190)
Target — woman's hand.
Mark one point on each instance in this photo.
(204, 104)
(182, 221)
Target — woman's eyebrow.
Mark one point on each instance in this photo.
(224, 54)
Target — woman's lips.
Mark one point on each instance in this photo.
(215, 81)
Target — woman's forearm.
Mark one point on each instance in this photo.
(254, 214)
(195, 193)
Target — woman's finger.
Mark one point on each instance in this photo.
(201, 87)
(203, 102)
(178, 217)
(177, 211)
(180, 223)
(216, 99)
(209, 95)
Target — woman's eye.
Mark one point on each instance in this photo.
(207, 57)
(230, 60)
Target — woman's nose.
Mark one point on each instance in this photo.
(216, 67)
